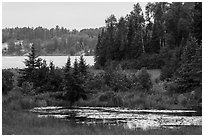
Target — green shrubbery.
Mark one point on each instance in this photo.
(144, 79)
(7, 81)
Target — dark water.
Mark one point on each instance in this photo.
(128, 118)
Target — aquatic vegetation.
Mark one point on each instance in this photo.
(128, 118)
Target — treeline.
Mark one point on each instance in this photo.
(39, 80)
(56, 40)
(168, 37)
(39, 84)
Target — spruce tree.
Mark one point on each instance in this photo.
(28, 74)
(76, 68)
(68, 78)
(73, 86)
(189, 73)
(82, 67)
(68, 65)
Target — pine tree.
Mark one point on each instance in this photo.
(73, 82)
(189, 74)
(68, 65)
(82, 67)
(68, 78)
(100, 52)
(76, 68)
(32, 64)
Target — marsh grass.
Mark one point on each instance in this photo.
(134, 100)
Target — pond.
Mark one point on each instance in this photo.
(128, 118)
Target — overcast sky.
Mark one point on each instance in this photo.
(71, 15)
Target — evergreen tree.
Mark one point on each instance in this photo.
(42, 77)
(76, 68)
(100, 56)
(68, 65)
(197, 22)
(73, 87)
(68, 78)
(121, 39)
(189, 74)
(135, 45)
(82, 67)
(33, 63)
(110, 37)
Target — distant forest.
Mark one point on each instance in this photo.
(54, 41)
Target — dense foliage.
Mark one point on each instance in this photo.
(168, 37)
(7, 81)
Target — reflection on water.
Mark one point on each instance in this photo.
(128, 118)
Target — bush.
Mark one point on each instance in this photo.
(106, 96)
(16, 100)
(27, 88)
(171, 87)
(118, 80)
(7, 81)
(153, 61)
(144, 79)
(94, 82)
(116, 100)
(27, 102)
(159, 87)
(111, 98)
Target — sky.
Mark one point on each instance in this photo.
(71, 15)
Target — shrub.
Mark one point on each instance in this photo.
(171, 87)
(159, 88)
(27, 102)
(27, 87)
(15, 93)
(94, 82)
(7, 81)
(153, 61)
(117, 80)
(106, 96)
(116, 100)
(144, 79)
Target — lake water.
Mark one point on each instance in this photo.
(59, 61)
(127, 118)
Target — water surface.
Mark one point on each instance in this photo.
(128, 118)
(59, 61)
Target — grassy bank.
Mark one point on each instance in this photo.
(120, 88)
(24, 123)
